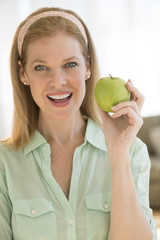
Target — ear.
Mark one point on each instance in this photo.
(88, 72)
(22, 74)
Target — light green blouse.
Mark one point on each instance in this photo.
(33, 206)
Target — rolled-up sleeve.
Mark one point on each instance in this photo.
(5, 211)
(140, 165)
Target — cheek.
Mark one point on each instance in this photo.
(81, 86)
(81, 78)
(36, 88)
(35, 96)
(79, 81)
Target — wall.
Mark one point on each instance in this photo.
(126, 34)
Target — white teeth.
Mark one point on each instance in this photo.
(62, 96)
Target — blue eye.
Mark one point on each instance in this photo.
(40, 68)
(71, 64)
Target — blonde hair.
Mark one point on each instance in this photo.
(26, 111)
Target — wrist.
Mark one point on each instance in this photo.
(120, 161)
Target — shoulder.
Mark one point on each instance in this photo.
(8, 155)
(5, 150)
(138, 144)
(140, 160)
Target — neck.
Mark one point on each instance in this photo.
(61, 131)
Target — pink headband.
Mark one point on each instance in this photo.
(65, 15)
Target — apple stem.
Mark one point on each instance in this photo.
(111, 76)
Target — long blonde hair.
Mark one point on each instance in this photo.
(26, 111)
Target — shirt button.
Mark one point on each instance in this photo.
(33, 211)
(71, 222)
(106, 206)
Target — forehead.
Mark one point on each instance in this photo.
(59, 45)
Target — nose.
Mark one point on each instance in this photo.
(58, 79)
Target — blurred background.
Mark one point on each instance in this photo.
(126, 34)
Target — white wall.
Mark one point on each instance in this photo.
(126, 34)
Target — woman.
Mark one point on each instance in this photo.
(58, 177)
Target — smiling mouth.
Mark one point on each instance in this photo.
(61, 98)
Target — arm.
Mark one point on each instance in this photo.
(5, 211)
(127, 218)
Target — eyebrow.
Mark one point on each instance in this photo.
(39, 61)
(65, 60)
(70, 58)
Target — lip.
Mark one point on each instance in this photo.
(59, 93)
(59, 103)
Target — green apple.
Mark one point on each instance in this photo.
(110, 91)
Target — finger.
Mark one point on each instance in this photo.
(133, 118)
(131, 104)
(136, 95)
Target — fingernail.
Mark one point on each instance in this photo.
(130, 82)
(113, 108)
